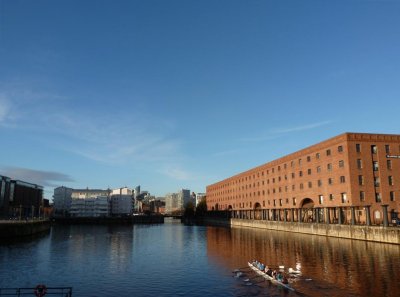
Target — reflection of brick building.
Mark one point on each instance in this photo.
(20, 199)
(349, 172)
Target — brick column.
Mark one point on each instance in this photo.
(284, 215)
(299, 215)
(353, 215)
(340, 216)
(385, 216)
(292, 215)
(328, 215)
(368, 215)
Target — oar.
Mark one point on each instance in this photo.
(248, 279)
(241, 268)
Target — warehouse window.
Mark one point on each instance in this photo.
(358, 148)
(359, 164)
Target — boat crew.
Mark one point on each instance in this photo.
(268, 271)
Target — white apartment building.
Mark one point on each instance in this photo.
(81, 202)
(90, 207)
(122, 191)
(89, 193)
(121, 201)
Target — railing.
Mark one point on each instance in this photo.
(55, 291)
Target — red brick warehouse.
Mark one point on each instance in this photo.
(353, 177)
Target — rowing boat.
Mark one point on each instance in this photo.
(270, 278)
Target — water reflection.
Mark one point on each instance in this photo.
(329, 266)
(176, 260)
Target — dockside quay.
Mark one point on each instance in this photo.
(353, 178)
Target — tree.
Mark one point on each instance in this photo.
(189, 210)
(201, 208)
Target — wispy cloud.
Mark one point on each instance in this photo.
(4, 108)
(122, 141)
(226, 153)
(40, 177)
(177, 173)
(258, 138)
(117, 137)
(277, 132)
(301, 128)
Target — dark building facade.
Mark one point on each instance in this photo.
(19, 199)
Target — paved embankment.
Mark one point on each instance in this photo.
(13, 229)
(368, 233)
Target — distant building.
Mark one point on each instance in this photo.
(184, 198)
(47, 208)
(122, 191)
(157, 205)
(121, 201)
(90, 207)
(171, 203)
(137, 192)
(175, 202)
(62, 199)
(68, 201)
(89, 193)
(20, 199)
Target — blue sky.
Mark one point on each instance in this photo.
(181, 94)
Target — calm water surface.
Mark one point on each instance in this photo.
(176, 260)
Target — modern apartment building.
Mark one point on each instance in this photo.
(176, 202)
(20, 199)
(352, 175)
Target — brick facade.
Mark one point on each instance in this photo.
(351, 169)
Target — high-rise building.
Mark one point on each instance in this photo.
(175, 202)
(62, 199)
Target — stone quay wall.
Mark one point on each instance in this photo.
(357, 232)
(13, 229)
